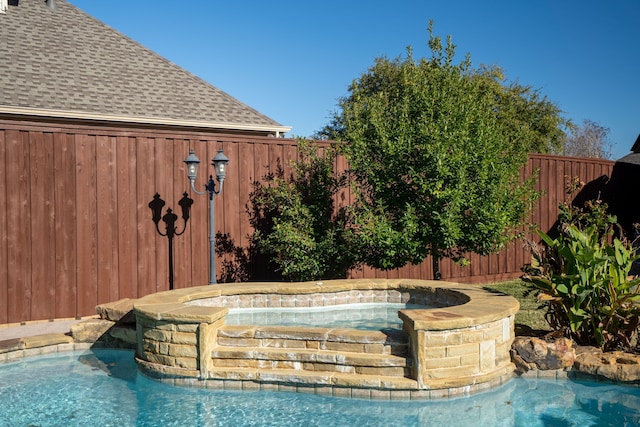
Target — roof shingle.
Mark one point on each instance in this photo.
(67, 63)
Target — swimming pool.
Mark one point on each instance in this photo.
(103, 387)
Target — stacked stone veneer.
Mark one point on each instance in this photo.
(460, 346)
(459, 356)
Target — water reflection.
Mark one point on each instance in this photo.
(368, 316)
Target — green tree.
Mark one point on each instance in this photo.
(527, 117)
(437, 170)
(297, 225)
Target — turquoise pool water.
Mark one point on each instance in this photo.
(103, 388)
(369, 316)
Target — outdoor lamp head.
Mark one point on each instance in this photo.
(220, 163)
(192, 165)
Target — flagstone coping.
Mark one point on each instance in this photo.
(471, 305)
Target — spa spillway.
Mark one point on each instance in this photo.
(457, 346)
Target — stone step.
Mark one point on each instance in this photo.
(344, 340)
(310, 355)
(312, 360)
(387, 371)
(312, 378)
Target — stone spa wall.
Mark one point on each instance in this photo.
(460, 346)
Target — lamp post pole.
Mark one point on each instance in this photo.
(219, 162)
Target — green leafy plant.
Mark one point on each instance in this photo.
(297, 225)
(592, 213)
(583, 278)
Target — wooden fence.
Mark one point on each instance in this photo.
(552, 172)
(76, 229)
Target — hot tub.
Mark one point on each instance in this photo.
(458, 346)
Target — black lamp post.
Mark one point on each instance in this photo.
(219, 162)
(170, 219)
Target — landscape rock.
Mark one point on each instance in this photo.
(531, 353)
(124, 334)
(120, 311)
(90, 330)
(615, 365)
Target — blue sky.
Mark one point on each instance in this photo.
(292, 60)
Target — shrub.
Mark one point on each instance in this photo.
(583, 276)
(296, 223)
(584, 280)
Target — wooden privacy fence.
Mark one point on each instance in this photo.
(552, 172)
(77, 230)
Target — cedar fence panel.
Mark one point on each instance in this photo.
(4, 278)
(76, 229)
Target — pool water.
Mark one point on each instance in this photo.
(368, 316)
(104, 388)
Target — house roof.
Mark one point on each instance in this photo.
(633, 157)
(64, 63)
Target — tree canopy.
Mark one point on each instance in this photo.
(589, 140)
(435, 149)
(528, 118)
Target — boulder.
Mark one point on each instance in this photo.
(615, 365)
(120, 311)
(125, 334)
(91, 330)
(531, 353)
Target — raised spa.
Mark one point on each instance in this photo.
(458, 346)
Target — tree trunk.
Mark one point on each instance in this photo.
(435, 256)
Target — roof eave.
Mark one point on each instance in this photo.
(277, 130)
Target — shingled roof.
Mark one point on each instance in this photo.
(66, 64)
